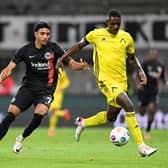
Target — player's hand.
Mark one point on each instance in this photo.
(143, 78)
(84, 64)
(1, 79)
(59, 65)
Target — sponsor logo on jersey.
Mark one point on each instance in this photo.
(40, 65)
(32, 56)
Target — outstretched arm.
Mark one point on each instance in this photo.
(7, 71)
(135, 62)
(70, 52)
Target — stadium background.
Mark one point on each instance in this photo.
(146, 20)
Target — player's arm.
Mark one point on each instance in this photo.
(162, 76)
(135, 62)
(70, 52)
(7, 71)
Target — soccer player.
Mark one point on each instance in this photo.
(38, 83)
(56, 105)
(148, 94)
(112, 47)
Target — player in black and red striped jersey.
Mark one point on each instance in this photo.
(39, 81)
(148, 94)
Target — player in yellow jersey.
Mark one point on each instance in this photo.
(56, 105)
(112, 47)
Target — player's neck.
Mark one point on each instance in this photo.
(38, 45)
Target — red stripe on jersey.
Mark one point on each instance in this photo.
(51, 70)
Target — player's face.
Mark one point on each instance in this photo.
(153, 55)
(113, 24)
(42, 36)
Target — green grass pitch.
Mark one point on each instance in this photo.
(93, 151)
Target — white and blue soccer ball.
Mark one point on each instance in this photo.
(119, 136)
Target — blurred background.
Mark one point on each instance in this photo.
(146, 20)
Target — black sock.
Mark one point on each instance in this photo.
(36, 120)
(149, 126)
(4, 126)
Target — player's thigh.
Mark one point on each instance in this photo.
(42, 103)
(22, 100)
(111, 92)
(117, 97)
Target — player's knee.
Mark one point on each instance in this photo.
(129, 107)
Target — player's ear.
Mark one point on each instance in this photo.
(35, 34)
(106, 23)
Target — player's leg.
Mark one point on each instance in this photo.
(53, 120)
(42, 104)
(127, 105)
(151, 111)
(63, 113)
(125, 102)
(40, 111)
(142, 110)
(98, 119)
(19, 103)
(13, 111)
(101, 117)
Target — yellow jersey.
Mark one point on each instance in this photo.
(110, 55)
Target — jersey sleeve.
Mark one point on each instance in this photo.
(90, 37)
(130, 47)
(18, 56)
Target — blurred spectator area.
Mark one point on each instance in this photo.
(76, 7)
(83, 82)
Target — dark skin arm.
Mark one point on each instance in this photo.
(71, 52)
(135, 62)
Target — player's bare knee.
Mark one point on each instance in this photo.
(14, 109)
(41, 109)
(129, 107)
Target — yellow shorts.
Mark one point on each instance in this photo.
(111, 91)
(57, 102)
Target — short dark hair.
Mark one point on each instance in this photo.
(40, 25)
(114, 13)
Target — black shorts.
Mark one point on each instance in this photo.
(144, 98)
(25, 97)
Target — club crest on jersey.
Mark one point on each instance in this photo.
(47, 55)
(122, 40)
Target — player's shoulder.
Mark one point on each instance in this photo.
(98, 30)
(26, 47)
(53, 45)
(124, 33)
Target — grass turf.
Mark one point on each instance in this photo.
(93, 151)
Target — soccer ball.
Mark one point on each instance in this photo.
(119, 136)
